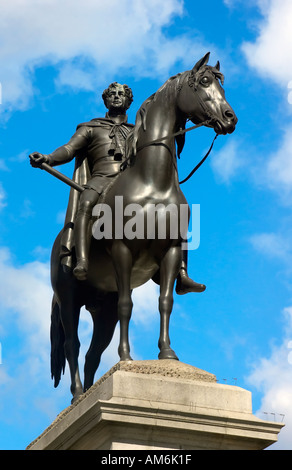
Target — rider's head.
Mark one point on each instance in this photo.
(117, 96)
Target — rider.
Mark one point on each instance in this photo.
(102, 140)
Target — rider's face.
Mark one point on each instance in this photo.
(117, 99)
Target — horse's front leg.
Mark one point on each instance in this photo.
(122, 259)
(169, 269)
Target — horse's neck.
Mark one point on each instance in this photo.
(156, 163)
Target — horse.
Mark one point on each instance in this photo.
(119, 264)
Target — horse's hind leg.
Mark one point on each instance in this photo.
(122, 258)
(70, 312)
(105, 318)
(169, 269)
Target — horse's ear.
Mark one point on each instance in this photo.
(201, 62)
(217, 66)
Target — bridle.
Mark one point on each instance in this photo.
(207, 122)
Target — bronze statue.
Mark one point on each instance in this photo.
(99, 148)
(102, 141)
(105, 275)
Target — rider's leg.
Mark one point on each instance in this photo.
(184, 283)
(87, 201)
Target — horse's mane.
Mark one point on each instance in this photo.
(172, 85)
(169, 88)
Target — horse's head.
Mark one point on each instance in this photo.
(202, 98)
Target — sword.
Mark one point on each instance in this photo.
(61, 177)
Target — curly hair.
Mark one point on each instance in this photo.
(128, 92)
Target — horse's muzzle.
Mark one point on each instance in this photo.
(227, 124)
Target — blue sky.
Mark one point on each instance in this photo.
(56, 58)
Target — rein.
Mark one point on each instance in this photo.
(180, 132)
(200, 163)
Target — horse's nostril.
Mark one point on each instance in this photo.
(229, 114)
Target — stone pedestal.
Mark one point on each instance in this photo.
(159, 405)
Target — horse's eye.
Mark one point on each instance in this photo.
(205, 81)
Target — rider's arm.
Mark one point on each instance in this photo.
(67, 152)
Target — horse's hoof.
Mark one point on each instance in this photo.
(167, 354)
(125, 358)
(76, 398)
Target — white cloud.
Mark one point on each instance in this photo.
(88, 41)
(3, 166)
(273, 245)
(270, 53)
(60, 217)
(25, 310)
(279, 166)
(145, 300)
(273, 170)
(227, 162)
(272, 376)
(2, 197)
(26, 294)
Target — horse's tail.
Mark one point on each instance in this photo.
(58, 360)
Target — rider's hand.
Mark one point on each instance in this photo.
(36, 159)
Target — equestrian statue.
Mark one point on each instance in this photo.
(138, 165)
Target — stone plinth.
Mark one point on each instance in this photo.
(165, 405)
